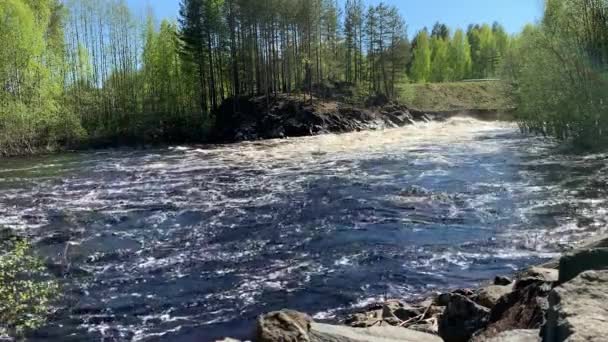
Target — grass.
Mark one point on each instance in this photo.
(476, 95)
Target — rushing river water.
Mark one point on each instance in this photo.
(190, 244)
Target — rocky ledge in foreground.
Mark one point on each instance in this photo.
(285, 115)
(565, 300)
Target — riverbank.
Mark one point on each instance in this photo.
(283, 115)
(565, 299)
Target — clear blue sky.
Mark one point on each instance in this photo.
(513, 14)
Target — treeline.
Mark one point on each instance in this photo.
(441, 56)
(74, 71)
(560, 70)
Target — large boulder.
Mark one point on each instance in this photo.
(573, 264)
(461, 319)
(579, 310)
(283, 326)
(524, 308)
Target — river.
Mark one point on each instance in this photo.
(192, 243)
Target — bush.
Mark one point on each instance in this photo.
(25, 292)
(27, 130)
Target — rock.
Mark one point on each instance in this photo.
(364, 319)
(283, 326)
(573, 264)
(524, 308)
(400, 310)
(489, 295)
(462, 317)
(541, 273)
(579, 310)
(332, 333)
(228, 340)
(444, 298)
(502, 281)
(516, 336)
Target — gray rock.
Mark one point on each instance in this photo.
(542, 273)
(489, 295)
(573, 264)
(364, 319)
(461, 319)
(524, 308)
(283, 326)
(332, 333)
(579, 310)
(228, 339)
(516, 336)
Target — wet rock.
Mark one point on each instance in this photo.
(515, 336)
(573, 264)
(461, 319)
(524, 308)
(489, 295)
(333, 333)
(579, 309)
(283, 326)
(502, 281)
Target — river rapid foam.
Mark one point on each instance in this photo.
(191, 243)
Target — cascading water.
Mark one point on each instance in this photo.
(191, 243)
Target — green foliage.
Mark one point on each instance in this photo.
(441, 70)
(559, 68)
(460, 56)
(31, 113)
(25, 293)
(421, 66)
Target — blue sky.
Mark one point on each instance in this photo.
(513, 14)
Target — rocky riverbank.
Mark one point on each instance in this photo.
(296, 115)
(562, 300)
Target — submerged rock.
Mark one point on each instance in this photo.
(579, 310)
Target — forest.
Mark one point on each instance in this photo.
(93, 73)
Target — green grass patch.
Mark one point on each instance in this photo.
(477, 95)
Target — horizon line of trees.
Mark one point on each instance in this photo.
(87, 70)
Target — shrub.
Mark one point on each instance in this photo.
(25, 291)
